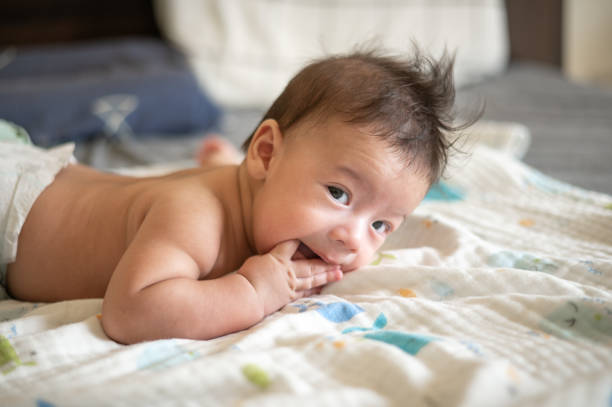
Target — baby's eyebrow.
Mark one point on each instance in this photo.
(352, 174)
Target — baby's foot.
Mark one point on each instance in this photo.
(216, 151)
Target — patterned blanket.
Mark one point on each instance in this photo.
(496, 292)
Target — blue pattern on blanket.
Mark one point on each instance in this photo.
(409, 342)
(576, 320)
(164, 354)
(545, 183)
(379, 323)
(441, 191)
(335, 311)
(339, 311)
(523, 261)
(442, 289)
(591, 268)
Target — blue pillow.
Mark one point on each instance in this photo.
(79, 92)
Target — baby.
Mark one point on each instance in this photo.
(345, 153)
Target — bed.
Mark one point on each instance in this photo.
(496, 291)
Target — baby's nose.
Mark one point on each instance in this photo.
(349, 236)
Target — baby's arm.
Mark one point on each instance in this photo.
(155, 292)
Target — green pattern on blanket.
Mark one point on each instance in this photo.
(256, 375)
(11, 132)
(381, 256)
(9, 359)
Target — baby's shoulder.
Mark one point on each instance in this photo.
(188, 197)
(195, 199)
(187, 214)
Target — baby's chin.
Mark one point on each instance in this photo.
(356, 265)
(348, 268)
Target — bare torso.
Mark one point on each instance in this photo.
(81, 225)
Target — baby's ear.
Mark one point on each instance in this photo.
(265, 144)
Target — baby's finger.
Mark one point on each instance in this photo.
(307, 268)
(311, 292)
(286, 249)
(318, 279)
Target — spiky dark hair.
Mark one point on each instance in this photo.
(407, 101)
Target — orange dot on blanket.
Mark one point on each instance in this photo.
(406, 292)
(527, 222)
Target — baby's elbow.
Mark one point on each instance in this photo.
(118, 326)
(113, 329)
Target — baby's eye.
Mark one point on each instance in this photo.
(381, 227)
(338, 194)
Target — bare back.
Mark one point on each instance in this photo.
(81, 225)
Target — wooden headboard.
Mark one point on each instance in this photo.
(535, 29)
(534, 26)
(32, 22)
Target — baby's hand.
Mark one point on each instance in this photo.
(278, 279)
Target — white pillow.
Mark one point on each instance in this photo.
(245, 51)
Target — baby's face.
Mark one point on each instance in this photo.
(337, 190)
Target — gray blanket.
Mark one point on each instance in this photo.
(570, 123)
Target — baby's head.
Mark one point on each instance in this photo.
(408, 103)
(347, 151)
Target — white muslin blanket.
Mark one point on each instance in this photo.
(496, 292)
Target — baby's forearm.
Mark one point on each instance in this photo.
(185, 308)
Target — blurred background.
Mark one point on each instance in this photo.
(573, 35)
(546, 64)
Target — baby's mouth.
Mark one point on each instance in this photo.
(304, 252)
